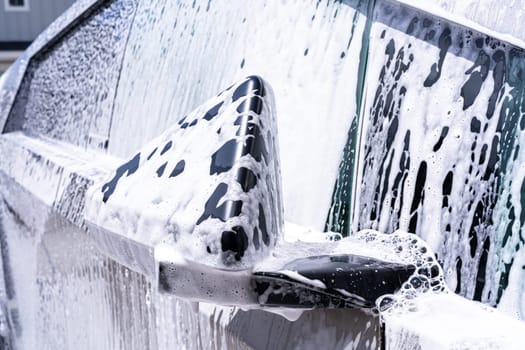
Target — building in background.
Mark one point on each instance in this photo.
(20, 23)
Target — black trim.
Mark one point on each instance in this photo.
(14, 45)
(350, 281)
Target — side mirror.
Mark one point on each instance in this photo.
(199, 211)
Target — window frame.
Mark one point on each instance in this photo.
(10, 8)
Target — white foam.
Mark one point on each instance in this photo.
(298, 277)
(447, 321)
(486, 16)
(425, 112)
(155, 208)
(172, 66)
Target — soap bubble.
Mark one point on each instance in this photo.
(412, 250)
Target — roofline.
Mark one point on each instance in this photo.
(461, 20)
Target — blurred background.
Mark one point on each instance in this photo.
(21, 21)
